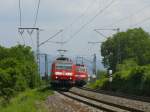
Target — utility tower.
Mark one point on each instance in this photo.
(38, 44)
(94, 60)
(118, 48)
(30, 31)
(46, 66)
(94, 65)
(45, 77)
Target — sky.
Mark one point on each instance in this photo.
(77, 18)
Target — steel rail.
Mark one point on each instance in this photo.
(87, 103)
(129, 109)
(121, 95)
(109, 103)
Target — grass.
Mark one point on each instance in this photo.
(98, 83)
(28, 101)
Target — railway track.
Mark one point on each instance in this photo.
(99, 104)
(132, 97)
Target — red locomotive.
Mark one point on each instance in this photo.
(81, 75)
(63, 72)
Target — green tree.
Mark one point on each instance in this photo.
(132, 44)
(18, 70)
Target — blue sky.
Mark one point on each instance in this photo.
(59, 14)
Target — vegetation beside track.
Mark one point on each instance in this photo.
(18, 71)
(102, 77)
(31, 100)
(131, 66)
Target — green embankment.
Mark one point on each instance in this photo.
(130, 78)
(32, 100)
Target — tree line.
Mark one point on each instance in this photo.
(133, 44)
(18, 70)
(127, 54)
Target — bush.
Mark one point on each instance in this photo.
(130, 78)
(134, 81)
(101, 74)
(6, 85)
(18, 70)
(99, 83)
(102, 77)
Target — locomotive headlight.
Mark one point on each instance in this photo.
(56, 77)
(70, 78)
(69, 74)
(77, 75)
(58, 73)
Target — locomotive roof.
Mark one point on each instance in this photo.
(63, 60)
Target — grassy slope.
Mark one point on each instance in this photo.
(28, 101)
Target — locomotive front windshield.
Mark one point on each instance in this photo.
(63, 66)
(81, 69)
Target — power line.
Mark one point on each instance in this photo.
(20, 15)
(37, 12)
(94, 42)
(35, 21)
(100, 33)
(21, 31)
(80, 16)
(111, 29)
(20, 22)
(51, 38)
(91, 20)
(144, 20)
(118, 48)
(30, 31)
(125, 18)
(88, 60)
(83, 13)
(32, 43)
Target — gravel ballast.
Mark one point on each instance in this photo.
(60, 103)
(144, 106)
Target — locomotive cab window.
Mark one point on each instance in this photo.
(81, 69)
(64, 66)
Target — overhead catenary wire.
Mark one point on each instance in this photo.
(88, 22)
(32, 43)
(36, 14)
(101, 33)
(35, 22)
(75, 20)
(131, 15)
(20, 33)
(20, 14)
(142, 21)
(23, 40)
(20, 22)
(48, 40)
(106, 37)
(94, 42)
(82, 14)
